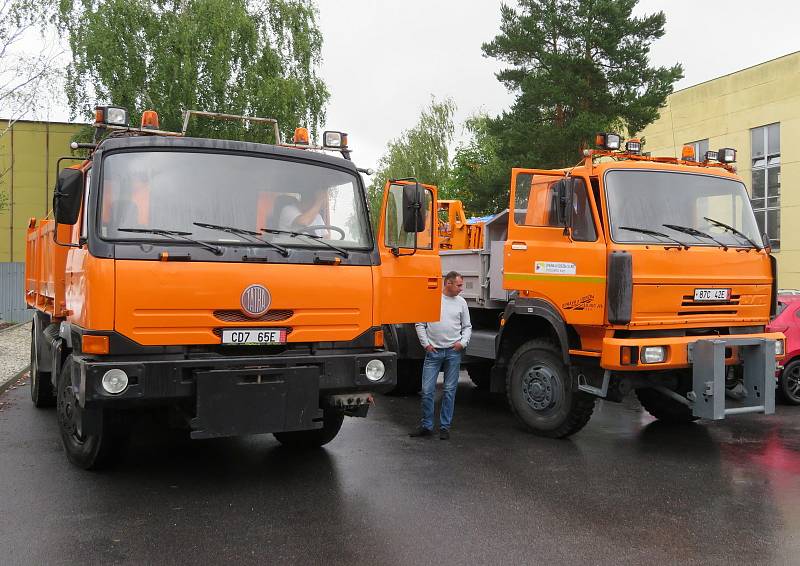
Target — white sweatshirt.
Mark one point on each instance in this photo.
(453, 325)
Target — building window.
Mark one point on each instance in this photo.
(700, 149)
(766, 185)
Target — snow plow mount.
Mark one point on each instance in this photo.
(707, 397)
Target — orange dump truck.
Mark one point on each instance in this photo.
(236, 287)
(627, 272)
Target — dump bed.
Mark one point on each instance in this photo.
(45, 267)
(482, 268)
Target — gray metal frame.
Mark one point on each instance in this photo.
(708, 377)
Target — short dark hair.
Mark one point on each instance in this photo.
(452, 276)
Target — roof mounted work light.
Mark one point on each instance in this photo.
(609, 141)
(726, 155)
(633, 146)
(711, 156)
(334, 139)
(111, 115)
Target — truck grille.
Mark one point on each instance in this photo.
(237, 316)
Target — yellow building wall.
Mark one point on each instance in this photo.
(724, 110)
(29, 152)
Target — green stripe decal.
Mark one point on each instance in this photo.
(565, 278)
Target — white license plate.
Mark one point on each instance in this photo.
(254, 336)
(712, 295)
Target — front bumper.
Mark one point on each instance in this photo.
(678, 348)
(176, 378)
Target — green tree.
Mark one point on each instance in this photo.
(247, 57)
(479, 176)
(421, 152)
(578, 67)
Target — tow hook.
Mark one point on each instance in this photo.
(353, 404)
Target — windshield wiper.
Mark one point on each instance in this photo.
(695, 232)
(732, 230)
(654, 233)
(314, 237)
(245, 233)
(174, 234)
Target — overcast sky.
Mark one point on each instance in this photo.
(383, 60)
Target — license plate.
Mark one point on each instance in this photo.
(701, 295)
(254, 336)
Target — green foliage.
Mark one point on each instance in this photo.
(479, 176)
(578, 67)
(420, 152)
(247, 57)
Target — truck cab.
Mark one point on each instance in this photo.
(625, 273)
(237, 286)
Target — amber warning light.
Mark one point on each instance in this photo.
(150, 120)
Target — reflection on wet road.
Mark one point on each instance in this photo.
(625, 490)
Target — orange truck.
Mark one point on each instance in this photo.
(625, 273)
(233, 287)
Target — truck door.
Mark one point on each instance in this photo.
(545, 259)
(410, 274)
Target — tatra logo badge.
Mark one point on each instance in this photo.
(255, 301)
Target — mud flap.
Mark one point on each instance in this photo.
(254, 401)
(708, 377)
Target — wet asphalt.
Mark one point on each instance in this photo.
(625, 490)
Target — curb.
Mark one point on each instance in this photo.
(15, 378)
(10, 328)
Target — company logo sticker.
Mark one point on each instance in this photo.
(255, 301)
(554, 267)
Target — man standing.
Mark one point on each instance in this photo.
(444, 341)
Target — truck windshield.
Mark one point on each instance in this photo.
(696, 209)
(145, 192)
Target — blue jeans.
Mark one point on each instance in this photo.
(448, 361)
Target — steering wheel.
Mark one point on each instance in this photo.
(312, 229)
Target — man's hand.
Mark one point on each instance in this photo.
(458, 347)
(430, 349)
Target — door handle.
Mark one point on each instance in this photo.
(519, 246)
(433, 282)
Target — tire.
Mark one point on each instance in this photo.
(88, 451)
(480, 374)
(664, 408)
(305, 439)
(409, 377)
(42, 393)
(539, 391)
(789, 383)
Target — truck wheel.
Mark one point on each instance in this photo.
(480, 374)
(331, 423)
(789, 383)
(409, 377)
(92, 450)
(539, 390)
(664, 408)
(41, 381)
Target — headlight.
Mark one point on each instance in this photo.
(115, 381)
(375, 370)
(780, 347)
(654, 354)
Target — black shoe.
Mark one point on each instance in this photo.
(444, 434)
(421, 432)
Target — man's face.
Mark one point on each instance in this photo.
(453, 287)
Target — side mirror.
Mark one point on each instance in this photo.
(565, 191)
(67, 196)
(413, 208)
